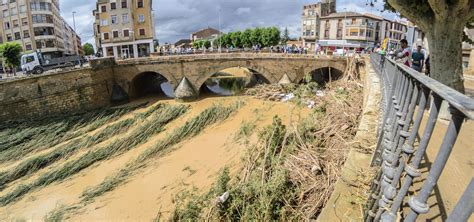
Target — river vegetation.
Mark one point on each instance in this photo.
(289, 174)
(20, 138)
(148, 127)
(189, 129)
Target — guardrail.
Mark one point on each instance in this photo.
(405, 92)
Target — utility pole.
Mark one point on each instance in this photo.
(219, 34)
(74, 20)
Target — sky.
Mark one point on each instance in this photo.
(177, 19)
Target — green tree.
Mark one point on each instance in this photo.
(274, 36)
(255, 36)
(285, 36)
(10, 53)
(197, 44)
(206, 44)
(236, 40)
(245, 38)
(443, 21)
(226, 41)
(88, 49)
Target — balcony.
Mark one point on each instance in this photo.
(363, 25)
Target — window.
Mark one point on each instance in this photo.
(15, 23)
(126, 33)
(28, 47)
(39, 18)
(115, 34)
(103, 8)
(124, 3)
(141, 18)
(23, 9)
(17, 36)
(26, 34)
(24, 21)
(106, 36)
(6, 25)
(9, 37)
(125, 18)
(113, 6)
(114, 19)
(14, 11)
(40, 6)
(103, 22)
(39, 31)
(142, 32)
(140, 3)
(6, 13)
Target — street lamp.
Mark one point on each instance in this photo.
(74, 20)
(219, 33)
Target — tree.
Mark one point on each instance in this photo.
(206, 44)
(245, 38)
(274, 35)
(285, 36)
(88, 49)
(10, 53)
(443, 21)
(235, 38)
(255, 36)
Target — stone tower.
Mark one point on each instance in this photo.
(327, 7)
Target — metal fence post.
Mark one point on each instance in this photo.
(465, 206)
(418, 204)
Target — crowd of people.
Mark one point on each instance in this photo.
(255, 49)
(415, 59)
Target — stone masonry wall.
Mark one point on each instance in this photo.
(54, 94)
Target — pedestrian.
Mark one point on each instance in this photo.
(418, 59)
(403, 54)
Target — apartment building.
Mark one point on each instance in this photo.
(394, 31)
(124, 28)
(349, 30)
(38, 26)
(310, 20)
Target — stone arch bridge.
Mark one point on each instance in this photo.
(189, 72)
(107, 79)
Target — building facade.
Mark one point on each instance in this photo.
(38, 26)
(349, 30)
(124, 28)
(394, 31)
(310, 20)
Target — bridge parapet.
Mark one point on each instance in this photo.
(398, 157)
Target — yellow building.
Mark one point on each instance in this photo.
(38, 26)
(124, 28)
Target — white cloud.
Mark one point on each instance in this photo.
(177, 19)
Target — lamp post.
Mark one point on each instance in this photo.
(219, 33)
(74, 20)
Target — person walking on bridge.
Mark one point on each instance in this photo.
(403, 54)
(418, 59)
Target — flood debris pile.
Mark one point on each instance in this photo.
(290, 173)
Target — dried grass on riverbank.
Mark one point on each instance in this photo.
(291, 172)
(147, 128)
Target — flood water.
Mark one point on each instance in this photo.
(227, 86)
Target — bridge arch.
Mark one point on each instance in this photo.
(256, 70)
(324, 75)
(150, 83)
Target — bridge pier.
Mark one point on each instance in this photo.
(185, 91)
